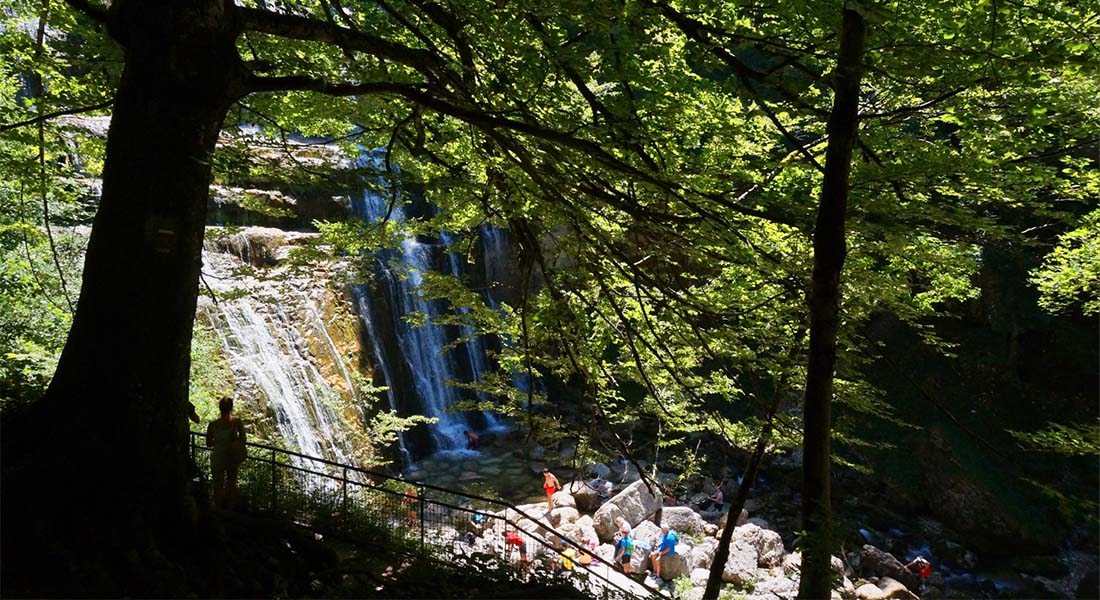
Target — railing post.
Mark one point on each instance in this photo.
(420, 495)
(345, 493)
(274, 483)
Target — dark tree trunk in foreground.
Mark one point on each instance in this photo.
(824, 300)
(109, 438)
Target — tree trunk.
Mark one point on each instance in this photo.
(113, 424)
(722, 553)
(824, 300)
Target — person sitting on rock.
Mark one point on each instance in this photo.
(715, 500)
(472, 442)
(567, 555)
(923, 568)
(667, 548)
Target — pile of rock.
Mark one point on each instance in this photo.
(758, 564)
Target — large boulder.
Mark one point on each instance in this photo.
(675, 565)
(637, 502)
(699, 577)
(885, 589)
(604, 521)
(683, 520)
(585, 497)
(878, 563)
(647, 534)
(634, 504)
(585, 521)
(586, 532)
(703, 554)
(778, 585)
(563, 499)
(792, 563)
(563, 516)
(742, 518)
(768, 544)
(599, 471)
(740, 566)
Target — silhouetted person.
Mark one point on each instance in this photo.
(471, 440)
(226, 436)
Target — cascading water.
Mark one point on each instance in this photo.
(421, 346)
(366, 312)
(475, 345)
(495, 258)
(265, 335)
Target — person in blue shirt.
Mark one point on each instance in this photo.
(667, 548)
(625, 548)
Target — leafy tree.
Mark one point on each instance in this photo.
(654, 162)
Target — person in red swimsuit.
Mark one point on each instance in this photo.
(551, 485)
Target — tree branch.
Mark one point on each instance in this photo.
(92, 11)
(57, 113)
(302, 83)
(302, 28)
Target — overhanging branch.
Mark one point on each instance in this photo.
(303, 28)
(57, 113)
(92, 11)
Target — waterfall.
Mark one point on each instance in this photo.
(495, 255)
(266, 335)
(366, 312)
(475, 343)
(421, 346)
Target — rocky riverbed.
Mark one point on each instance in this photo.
(763, 562)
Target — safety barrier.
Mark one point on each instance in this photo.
(353, 503)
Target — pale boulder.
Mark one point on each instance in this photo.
(563, 499)
(637, 502)
(740, 566)
(886, 589)
(683, 520)
(634, 504)
(768, 544)
(562, 515)
(777, 585)
(792, 563)
(699, 577)
(604, 521)
(703, 554)
(647, 534)
(676, 565)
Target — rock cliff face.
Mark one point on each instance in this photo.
(291, 340)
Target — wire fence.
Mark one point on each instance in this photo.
(354, 503)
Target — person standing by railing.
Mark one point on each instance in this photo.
(227, 438)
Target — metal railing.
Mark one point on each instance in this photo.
(354, 503)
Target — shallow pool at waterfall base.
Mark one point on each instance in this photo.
(491, 471)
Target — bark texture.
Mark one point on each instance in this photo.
(824, 300)
(109, 439)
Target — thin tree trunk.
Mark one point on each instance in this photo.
(824, 300)
(714, 581)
